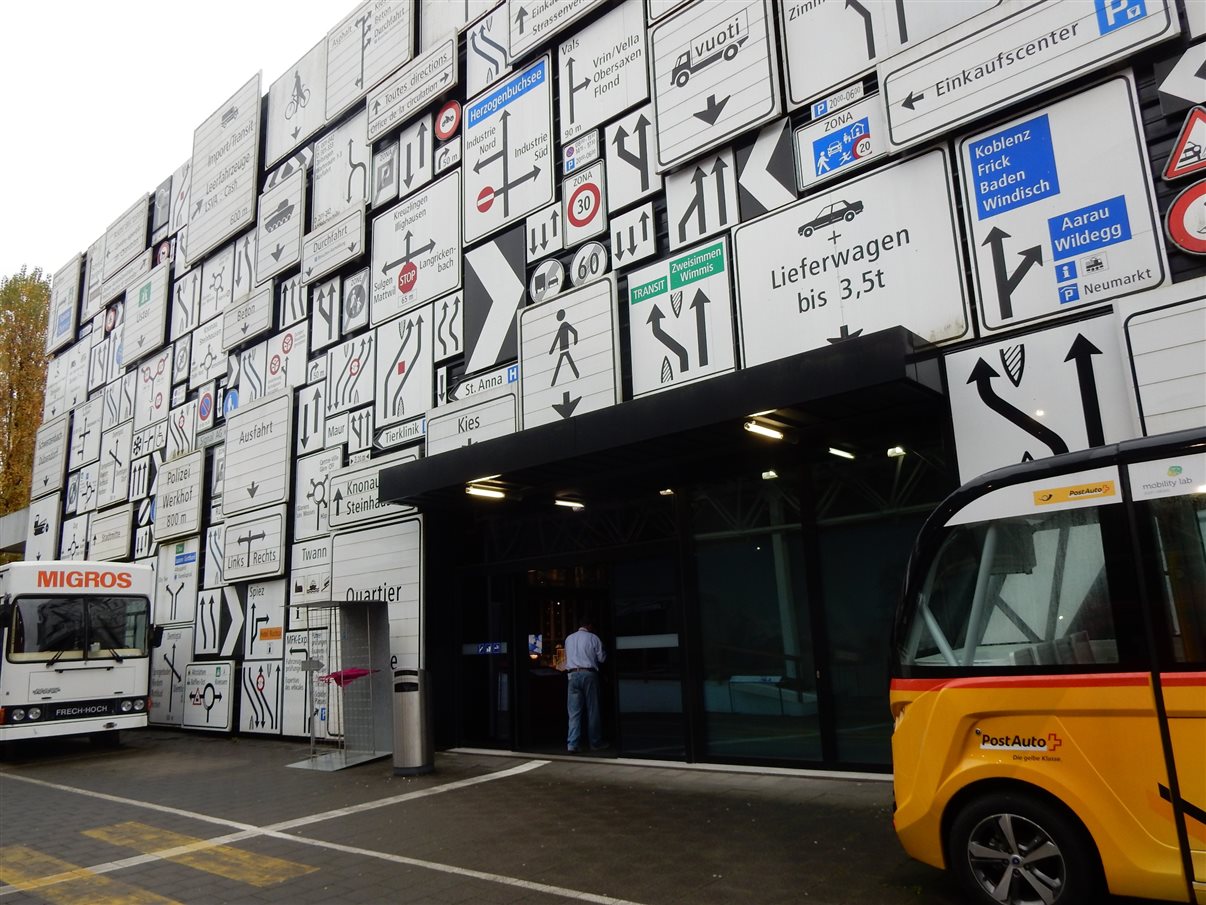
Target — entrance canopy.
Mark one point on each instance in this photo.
(822, 397)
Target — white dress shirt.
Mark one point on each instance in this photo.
(584, 650)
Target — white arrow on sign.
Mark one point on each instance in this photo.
(332, 246)
(634, 235)
(1185, 84)
(702, 200)
(766, 171)
(254, 546)
(354, 492)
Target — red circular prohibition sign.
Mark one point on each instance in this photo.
(591, 189)
(1185, 222)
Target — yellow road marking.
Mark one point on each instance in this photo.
(63, 883)
(202, 854)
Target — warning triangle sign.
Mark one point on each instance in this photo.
(1189, 151)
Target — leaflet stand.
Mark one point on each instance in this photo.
(351, 693)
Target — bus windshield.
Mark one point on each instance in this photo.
(78, 628)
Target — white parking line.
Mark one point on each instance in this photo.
(277, 831)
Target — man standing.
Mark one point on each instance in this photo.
(583, 654)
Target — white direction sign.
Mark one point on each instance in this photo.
(545, 235)
(85, 433)
(405, 379)
(680, 318)
(110, 534)
(64, 305)
(385, 173)
(281, 225)
(830, 44)
(855, 254)
(42, 536)
(176, 581)
(630, 145)
(568, 354)
(126, 237)
(310, 577)
(261, 682)
(486, 409)
(417, 250)
(208, 359)
(841, 142)
(766, 171)
(285, 359)
(715, 74)
(701, 200)
(416, 150)
(585, 213)
(412, 89)
(224, 172)
(296, 104)
(374, 40)
(248, 319)
(438, 17)
(254, 546)
(113, 481)
(634, 235)
(265, 623)
(178, 497)
(209, 696)
(533, 22)
(1048, 231)
(350, 375)
(331, 246)
(341, 171)
(219, 621)
(1008, 54)
(602, 70)
(311, 502)
(486, 56)
(354, 492)
(153, 394)
(168, 663)
(146, 315)
(1038, 395)
(508, 142)
(259, 448)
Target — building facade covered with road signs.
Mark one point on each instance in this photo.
(673, 316)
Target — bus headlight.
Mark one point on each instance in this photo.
(126, 706)
(35, 713)
(140, 704)
(17, 714)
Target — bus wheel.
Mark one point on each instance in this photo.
(1019, 850)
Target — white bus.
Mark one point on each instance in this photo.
(76, 640)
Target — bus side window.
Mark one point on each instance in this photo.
(1179, 564)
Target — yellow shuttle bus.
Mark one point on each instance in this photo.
(1049, 679)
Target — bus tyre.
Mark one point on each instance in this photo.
(1017, 849)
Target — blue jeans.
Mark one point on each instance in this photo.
(584, 694)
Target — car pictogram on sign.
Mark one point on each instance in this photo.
(832, 213)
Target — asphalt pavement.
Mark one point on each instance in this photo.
(178, 817)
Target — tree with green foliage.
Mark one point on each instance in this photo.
(24, 303)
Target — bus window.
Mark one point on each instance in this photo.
(117, 624)
(1016, 593)
(72, 628)
(1179, 561)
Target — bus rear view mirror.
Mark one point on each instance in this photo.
(1014, 549)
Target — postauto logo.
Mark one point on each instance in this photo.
(1016, 742)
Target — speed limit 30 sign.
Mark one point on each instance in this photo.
(582, 196)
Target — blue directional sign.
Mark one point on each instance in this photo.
(1013, 167)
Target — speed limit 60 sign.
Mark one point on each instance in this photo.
(584, 210)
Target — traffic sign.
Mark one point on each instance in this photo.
(146, 315)
(486, 56)
(178, 497)
(602, 69)
(341, 171)
(630, 145)
(701, 200)
(417, 249)
(533, 22)
(416, 149)
(385, 173)
(50, 457)
(1008, 54)
(209, 696)
(64, 305)
(715, 75)
(1188, 155)
(176, 581)
(296, 104)
(1185, 84)
(766, 177)
(311, 572)
(114, 479)
(349, 375)
(1039, 394)
(634, 235)
(42, 536)
(285, 359)
(207, 360)
(413, 88)
(508, 147)
(331, 246)
(254, 544)
(259, 446)
(448, 120)
(312, 504)
(472, 420)
(449, 316)
(248, 320)
(325, 300)
(126, 237)
(282, 222)
(217, 283)
(840, 143)
(262, 641)
(355, 492)
(370, 43)
(855, 251)
(585, 214)
(447, 155)
(681, 319)
(547, 280)
(494, 292)
(544, 231)
(590, 262)
(568, 355)
(110, 534)
(224, 172)
(578, 153)
(830, 45)
(1186, 220)
(404, 379)
(219, 621)
(356, 301)
(1049, 233)
(153, 395)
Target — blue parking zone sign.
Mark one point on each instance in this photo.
(838, 149)
(1114, 14)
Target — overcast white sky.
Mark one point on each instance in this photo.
(99, 100)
